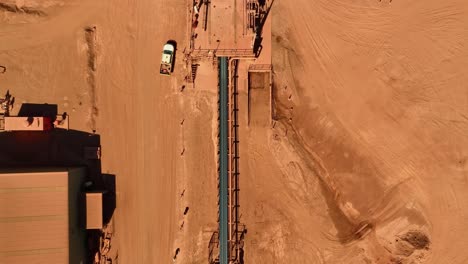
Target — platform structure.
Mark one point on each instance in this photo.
(252, 15)
(217, 29)
(226, 28)
(226, 24)
(259, 95)
(219, 24)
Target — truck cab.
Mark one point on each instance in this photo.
(167, 59)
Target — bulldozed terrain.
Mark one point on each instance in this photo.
(365, 160)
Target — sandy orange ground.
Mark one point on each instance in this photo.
(367, 157)
(138, 112)
(367, 162)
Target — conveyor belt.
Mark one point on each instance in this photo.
(223, 161)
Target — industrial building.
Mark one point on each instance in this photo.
(43, 216)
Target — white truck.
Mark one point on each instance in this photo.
(167, 59)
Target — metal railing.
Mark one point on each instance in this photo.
(260, 67)
(235, 241)
(240, 53)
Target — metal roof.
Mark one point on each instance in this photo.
(94, 210)
(35, 223)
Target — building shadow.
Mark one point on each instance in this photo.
(109, 197)
(57, 147)
(44, 110)
(264, 12)
(258, 45)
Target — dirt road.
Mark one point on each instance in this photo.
(144, 112)
(136, 111)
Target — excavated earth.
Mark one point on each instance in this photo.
(368, 151)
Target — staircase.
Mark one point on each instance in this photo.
(193, 72)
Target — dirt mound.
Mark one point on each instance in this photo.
(21, 9)
(416, 239)
(411, 247)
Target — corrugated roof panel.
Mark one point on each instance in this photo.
(34, 217)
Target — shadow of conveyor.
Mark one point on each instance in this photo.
(266, 8)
